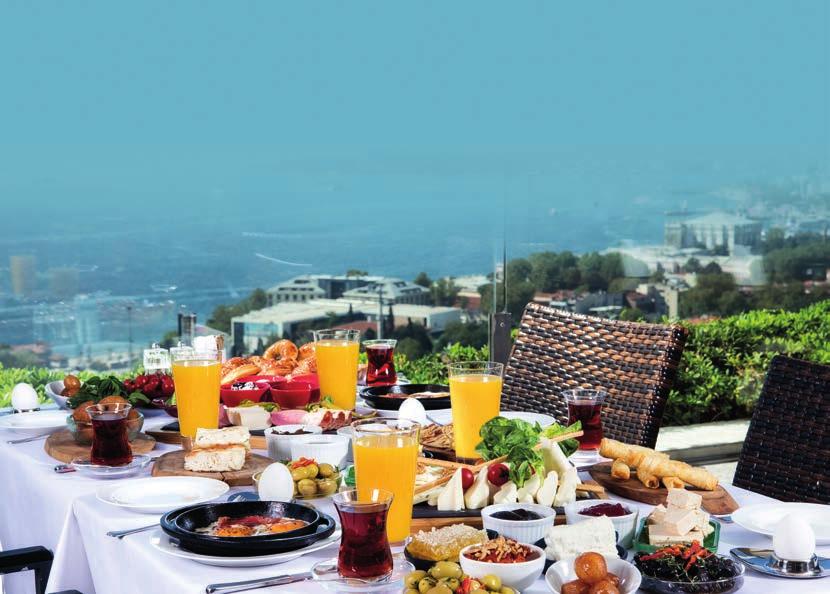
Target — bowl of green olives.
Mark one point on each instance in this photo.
(313, 480)
(446, 577)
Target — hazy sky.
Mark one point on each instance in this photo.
(150, 100)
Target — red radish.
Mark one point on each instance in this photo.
(498, 474)
(466, 478)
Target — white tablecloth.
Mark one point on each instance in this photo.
(62, 513)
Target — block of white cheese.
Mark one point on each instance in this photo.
(657, 515)
(554, 458)
(252, 417)
(683, 499)
(478, 494)
(702, 520)
(570, 540)
(527, 492)
(452, 497)
(547, 492)
(567, 487)
(507, 493)
(679, 521)
(657, 535)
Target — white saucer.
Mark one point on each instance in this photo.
(159, 495)
(32, 424)
(86, 468)
(167, 545)
(763, 517)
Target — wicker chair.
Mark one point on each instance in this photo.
(786, 454)
(634, 363)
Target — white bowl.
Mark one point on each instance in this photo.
(348, 432)
(514, 575)
(325, 449)
(624, 525)
(563, 572)
(279, 445)
(53, 390)
(527, 532)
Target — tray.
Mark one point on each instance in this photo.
(640, 543)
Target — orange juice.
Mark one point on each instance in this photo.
(389, 462)
(337, 370)
(474, 399)
(197, 394)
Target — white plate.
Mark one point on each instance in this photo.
(167, 545)
(444, 416)
(763, 517)
(162, 494)
(39, 422)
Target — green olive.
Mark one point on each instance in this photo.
(307, 487)
(479, 591)
(411, 591)
(491, 582)
(312, 470)
(425, 585)
(325, 470)
(451, 583)
(445, 569)
(299, 474)
(439, 589)
(413, 577)
(506, 590)
(326, 486)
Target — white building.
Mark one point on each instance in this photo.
(391, 290)
(282, 319)
(712, 231)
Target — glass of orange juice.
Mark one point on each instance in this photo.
(337, 352)
(475, 396)
(386, 457)
(196, 375)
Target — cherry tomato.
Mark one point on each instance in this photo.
(466, 478)
(498, 474)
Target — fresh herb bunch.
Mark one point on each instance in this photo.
(96, 388)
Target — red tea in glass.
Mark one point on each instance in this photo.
(364, 548)
(110, 445)
(380, 370)
(586, 406)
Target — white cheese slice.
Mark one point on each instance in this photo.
(507, 493)
(528, 491)
(683, 499)
(678, 521)
(547, 492)
(554, 458)
(478, 494)
(570, 540)
(657, 535)
(657, 515)
(567, 487)
(452, 497)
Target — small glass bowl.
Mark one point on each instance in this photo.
(721, 586)
(337, 477)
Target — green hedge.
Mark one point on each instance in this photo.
(720, 376)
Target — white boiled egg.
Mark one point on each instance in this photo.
(412, 410)
(793, 539)
(24, 397)
(275, 483)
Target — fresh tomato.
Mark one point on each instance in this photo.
(466, 478)
(498, 474)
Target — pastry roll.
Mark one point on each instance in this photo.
(672, 482)
(620, 470)
(631, 455)
(649, 480)
(699, 477)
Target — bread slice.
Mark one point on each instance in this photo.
(237, 435)
(221, 458)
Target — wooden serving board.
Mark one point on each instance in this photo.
(172, 464)
(61, 446)
(717, 502)
(421, 520)
(175, 438)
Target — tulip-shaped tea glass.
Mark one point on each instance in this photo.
(364, 547)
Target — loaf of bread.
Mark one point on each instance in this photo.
(237, 435)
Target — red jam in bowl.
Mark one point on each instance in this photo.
(611, 510)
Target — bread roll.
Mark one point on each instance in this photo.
(672, 482)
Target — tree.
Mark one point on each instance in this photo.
(423, 280)
(518, 296)
(444, 291)
(712, 268)
(473, 334)
(629, 314)
(715, 294)
(413, 332)
(356, 272)
(222, 314)
(692, 266)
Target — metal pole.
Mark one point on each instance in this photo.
(130, 332)
(380, 311)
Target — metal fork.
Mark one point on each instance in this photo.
(25, 439)
(119, 534)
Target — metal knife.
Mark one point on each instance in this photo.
(279, 580)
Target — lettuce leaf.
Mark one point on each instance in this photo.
(569, 446)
